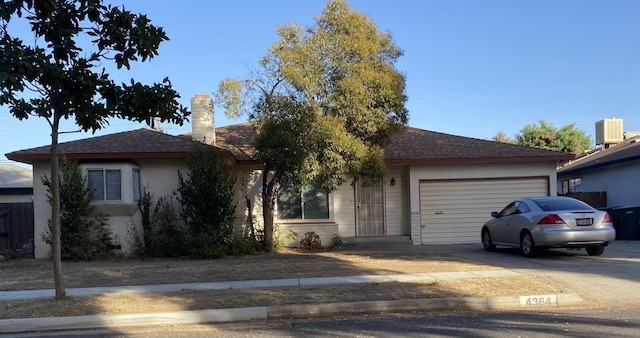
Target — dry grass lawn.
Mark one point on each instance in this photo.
(350, 261)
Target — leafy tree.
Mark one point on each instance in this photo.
(502, 137)
(546, 136)
(56, 75)
(324, 102)
(206, 197)
(82, 236)
(572, 140)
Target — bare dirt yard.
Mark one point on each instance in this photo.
(350, 260)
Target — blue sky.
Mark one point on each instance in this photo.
(473, 67)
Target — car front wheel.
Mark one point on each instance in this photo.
(594, 250)
(486, 241)
(527, 245)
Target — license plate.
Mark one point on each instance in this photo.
(584, 221)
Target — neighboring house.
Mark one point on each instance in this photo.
(16, 206)
(438, 188)
(614, 170)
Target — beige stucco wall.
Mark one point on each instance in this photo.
(342, 200)
(159, 176)
(41, 209)
(397, 201)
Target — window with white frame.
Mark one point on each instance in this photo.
(294, 203)
(137, 187)
(105, 184)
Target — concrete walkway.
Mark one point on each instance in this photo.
(10, 326)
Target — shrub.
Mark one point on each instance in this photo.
(206, 198)
(82, 237)
(310, 241)
(166, 235)
(336, 241)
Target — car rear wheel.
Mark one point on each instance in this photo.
(594, 250)
(486, 241)
(527, 245)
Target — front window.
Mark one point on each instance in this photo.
(307, 203)
(105, 184)
(570, 185)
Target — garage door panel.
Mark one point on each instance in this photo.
(453, 211)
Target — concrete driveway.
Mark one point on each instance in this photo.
(614, 276)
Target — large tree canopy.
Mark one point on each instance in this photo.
(56, 74)
(545, 136)
(324, 102)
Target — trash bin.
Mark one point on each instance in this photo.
(626, 221)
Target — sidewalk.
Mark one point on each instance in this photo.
(271, 312)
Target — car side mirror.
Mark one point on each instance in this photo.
(495, 214)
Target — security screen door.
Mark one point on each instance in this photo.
(370, 209)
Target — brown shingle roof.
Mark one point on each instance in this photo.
(423, 146)
(141, 143)
(239, 139)
(628, 150)
(411, 146)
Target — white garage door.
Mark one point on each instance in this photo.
(454, 211)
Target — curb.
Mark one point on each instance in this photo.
(22, 325)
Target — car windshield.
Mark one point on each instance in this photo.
(561, 204)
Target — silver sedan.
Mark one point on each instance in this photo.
(549, 222)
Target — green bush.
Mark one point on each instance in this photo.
(206, 198)
(82, 237)
(336, 241)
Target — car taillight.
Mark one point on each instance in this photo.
(552, 219)
(607, 218)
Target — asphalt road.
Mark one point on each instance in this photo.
(574, 322)
(614, 276)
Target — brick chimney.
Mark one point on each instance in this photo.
(202, 121)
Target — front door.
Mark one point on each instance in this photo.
(370, 209)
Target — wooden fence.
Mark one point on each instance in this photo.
(16, 225)
(596, 199)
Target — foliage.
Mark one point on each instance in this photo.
(325, 102)
(206, 199)
(311, 241)
(165, 236)
(502, 137)
(82, 237)
(244, 243)
(336, 241)
(59, 74)
(545, 136)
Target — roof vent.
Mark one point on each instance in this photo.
(609, 132)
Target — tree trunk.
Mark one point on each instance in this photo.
(55, 211)
(268, 205)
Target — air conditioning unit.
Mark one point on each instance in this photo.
(609, 131)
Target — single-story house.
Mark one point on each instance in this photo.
(613, 170)
(438, 188)
(16, 206)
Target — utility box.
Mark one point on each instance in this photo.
(609, 131)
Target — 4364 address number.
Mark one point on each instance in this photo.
(538, 300)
